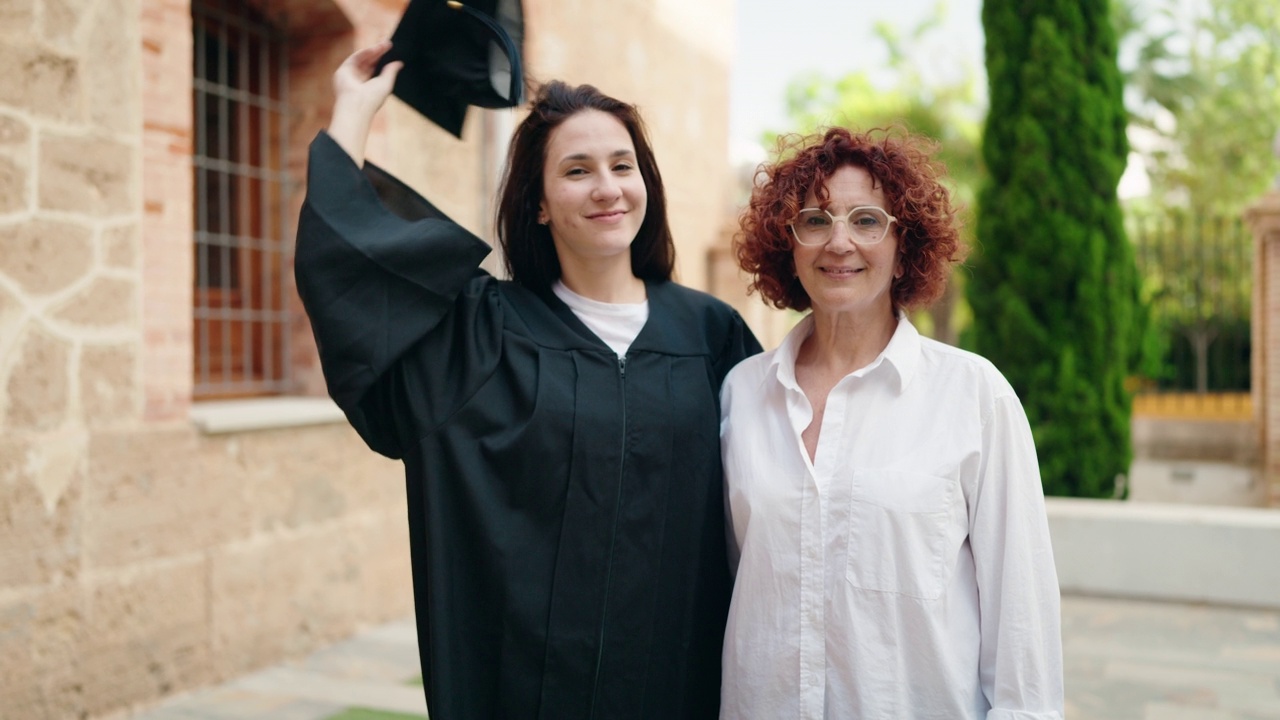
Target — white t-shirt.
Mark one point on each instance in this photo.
(617, 324)
(905, 572)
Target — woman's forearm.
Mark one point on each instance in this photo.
(349, 127)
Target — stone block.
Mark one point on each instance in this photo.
(108, 384)
(284, 596)
(43, 81)
(105, 302)
(1174, 553)
(18, 18)
(150, 635)
(112, 81)
(14, 193)
(1174, 439)
(159, 493)
(41, 480)
(1195, 482)
(304, 476)
(87, 175)
(120, 246)
(14, 133)
(63, 20)
(13, 317)
(386, 574)
(41, 664)
(44, 256)
(38, 384)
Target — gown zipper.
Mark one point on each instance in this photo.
(613, 537)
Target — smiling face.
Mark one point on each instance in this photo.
(841, 276)
(594, 196)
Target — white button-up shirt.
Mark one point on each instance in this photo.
(905, 572)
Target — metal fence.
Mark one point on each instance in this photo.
(1197, 275)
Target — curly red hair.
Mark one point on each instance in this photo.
(927, 227)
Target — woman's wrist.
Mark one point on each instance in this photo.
(349, 127)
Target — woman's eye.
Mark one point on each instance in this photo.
(623, 167)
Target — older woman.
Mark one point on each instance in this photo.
(888, 528)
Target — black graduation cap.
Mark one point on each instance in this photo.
(457, 54)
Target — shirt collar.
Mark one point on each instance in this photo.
(902, 353)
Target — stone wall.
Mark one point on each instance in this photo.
(170, 559)
(1175, 553)
(140, 554)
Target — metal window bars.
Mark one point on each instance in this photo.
(242, 187)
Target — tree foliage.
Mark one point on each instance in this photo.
(1054, 291)
(1204, 83)
(949, 111)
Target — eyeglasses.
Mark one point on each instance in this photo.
(867, 225)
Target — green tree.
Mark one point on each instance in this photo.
(1204, 92)
(1204, 85)
(1053, 291)
(948, 111)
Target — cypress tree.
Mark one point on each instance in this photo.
(1054, 286)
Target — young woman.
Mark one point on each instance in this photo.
(559, 430)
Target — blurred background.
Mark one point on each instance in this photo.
(182, 509)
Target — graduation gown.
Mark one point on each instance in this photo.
(566, 510)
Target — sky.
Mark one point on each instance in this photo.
(782, 39)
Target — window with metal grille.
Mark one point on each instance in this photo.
(241, 201)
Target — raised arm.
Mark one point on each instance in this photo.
(380, 271)
(358, 94)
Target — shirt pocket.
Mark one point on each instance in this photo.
(898, 532)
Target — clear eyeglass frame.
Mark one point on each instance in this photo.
(822, 236)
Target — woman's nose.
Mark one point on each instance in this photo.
(841, 239)
(606, 189)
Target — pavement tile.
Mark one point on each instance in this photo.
(301, 683)
(365, 659)
(1123, 659)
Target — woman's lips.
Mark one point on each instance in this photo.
(611, 216)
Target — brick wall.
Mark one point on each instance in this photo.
(1263, 219)
(138, 555)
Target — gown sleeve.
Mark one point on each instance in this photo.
(740, 344)
(378, 268)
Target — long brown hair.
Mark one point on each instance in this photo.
(528, 251)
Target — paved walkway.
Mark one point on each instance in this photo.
(1125, 660)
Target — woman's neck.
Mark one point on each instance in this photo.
(843, 343)
(609, 281)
